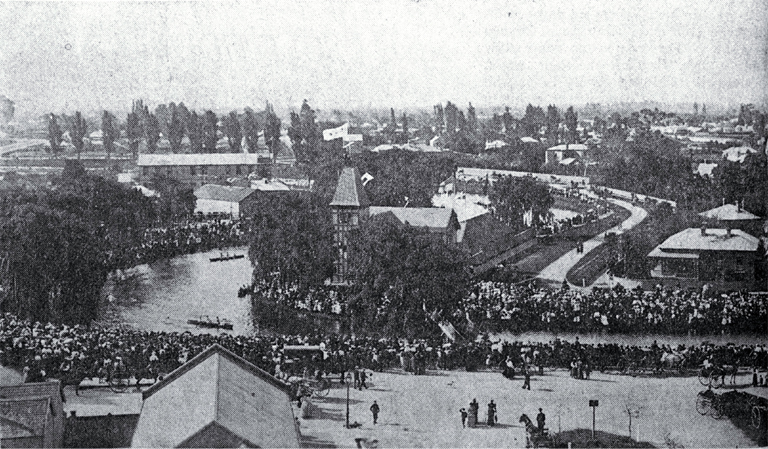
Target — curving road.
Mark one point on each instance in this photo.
(557, 270)
(20, 144)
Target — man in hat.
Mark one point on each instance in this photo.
(375, 411)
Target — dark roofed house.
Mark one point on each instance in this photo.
(42, 401)
(722, 256)
(436, 219)
(217, 399)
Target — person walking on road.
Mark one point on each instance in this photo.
(491, 413)
(527, 383)
(375, 411)
(463, 412)
(541, 419)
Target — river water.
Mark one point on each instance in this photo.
(163, 295)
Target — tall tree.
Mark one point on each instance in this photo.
(471, 119)
(233, 131)
(163, 114)
(152, 132)
(78, 132)
(439, 119)
(134, 132)
(309, 132)
(297, 139)
(553, 124)
(195, 133)
(533, 120)
(451, 118)
(110, 132)
(272, 131)
(406, 135)
(571, 122)
(210, 130)
(54, 134)
(251, 130)
(175, 127)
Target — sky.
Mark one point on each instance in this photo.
(65, 56)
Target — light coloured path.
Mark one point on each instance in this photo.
(557, 270)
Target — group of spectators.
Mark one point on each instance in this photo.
(520, 308)
(181, 238)
(323, 299)
(74, 353)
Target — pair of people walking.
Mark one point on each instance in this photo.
(469, 418)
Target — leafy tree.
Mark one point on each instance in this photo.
(210, 130)
(176, 199)
(309, 132)
(533, 120)
(404, 121)
(163, 114)
(406, 278)
(78, 131)
(451, 118)
(439, 118)
(512, 197)
(110, 131)
(293, 236)
(553, 124)
(54, 134)
(297, 138)
(233, 131)
(471, 119)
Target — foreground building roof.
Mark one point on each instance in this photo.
(431, 217)
(217, 399)
(223, 193)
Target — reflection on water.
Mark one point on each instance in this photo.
(162, 296)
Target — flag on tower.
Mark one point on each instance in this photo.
(366, 178)
(335, 133)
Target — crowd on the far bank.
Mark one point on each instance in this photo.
(520, 308)
(178, 239)
(499, 306)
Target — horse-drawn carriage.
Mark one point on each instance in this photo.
(534, 436)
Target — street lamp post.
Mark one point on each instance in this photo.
(348, 378)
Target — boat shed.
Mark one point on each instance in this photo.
(217, 399)
(236, 202)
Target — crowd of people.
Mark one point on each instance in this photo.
(182, 238)
(323, 299)
(74, 353)
(519, 308)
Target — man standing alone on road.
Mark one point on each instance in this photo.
(375, 412)
(541, 419)
(527, 383)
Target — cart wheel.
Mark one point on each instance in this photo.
(119, 384)
(702, 404)
(704, 379)
(756, 417)
(323, 387)
(717, 409)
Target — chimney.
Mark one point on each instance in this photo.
(728, 229)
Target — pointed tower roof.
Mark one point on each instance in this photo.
(349, 190)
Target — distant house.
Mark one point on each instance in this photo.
(32, 415)
(725, 256)
(732, 216)
(437, 220)
(236, 202)
(196, 169)
(564, 151)
(217, 399)
(738, 154)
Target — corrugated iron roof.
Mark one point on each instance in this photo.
(713, 240)
(161, 160)
(223, 193)
(431, 217)
(728, 212)
(349, 189)
(216, 389)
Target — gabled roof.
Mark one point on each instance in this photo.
(713, 240)
(216, 393)
(729, 212)
(223, 193)
(24, 417)
(431, 217)
(160, 160)
(349, 189)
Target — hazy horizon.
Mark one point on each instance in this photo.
(66, 56)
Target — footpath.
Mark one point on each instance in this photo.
(556, 271)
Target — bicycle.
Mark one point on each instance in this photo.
(711, 377)
(757, 415)
(709, 403)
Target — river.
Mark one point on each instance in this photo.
(163, 295)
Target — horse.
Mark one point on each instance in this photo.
(673, 360)
(534, 435)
